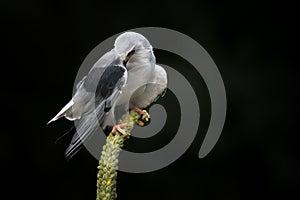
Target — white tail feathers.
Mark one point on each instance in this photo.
(71, 111)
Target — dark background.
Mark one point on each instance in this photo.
(254, 46)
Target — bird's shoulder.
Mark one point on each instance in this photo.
(102, 81)
(109, 63)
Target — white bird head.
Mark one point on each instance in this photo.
(129, 44)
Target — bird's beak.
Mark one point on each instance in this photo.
(123, 58)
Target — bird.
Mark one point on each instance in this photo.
(127, 76)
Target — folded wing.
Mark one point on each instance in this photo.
(95, 95)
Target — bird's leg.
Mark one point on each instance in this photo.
(119, 127)
(145, 117)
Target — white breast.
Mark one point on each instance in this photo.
(152, 90)
(140, 73)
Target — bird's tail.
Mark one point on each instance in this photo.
(85, 127)
(71, 111)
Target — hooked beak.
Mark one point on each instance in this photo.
(123, 58)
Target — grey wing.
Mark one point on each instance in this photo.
(82, 99)
(86, 88)
(105, 91)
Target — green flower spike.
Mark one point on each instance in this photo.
(108, 164)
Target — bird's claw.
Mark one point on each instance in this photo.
(144, 116)
(119, 128)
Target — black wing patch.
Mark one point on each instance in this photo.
(109, 80)
(103, 82)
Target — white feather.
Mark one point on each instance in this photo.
(62, 112)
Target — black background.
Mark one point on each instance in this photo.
(254, 46)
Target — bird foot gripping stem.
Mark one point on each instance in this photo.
(143, 118)
(119, 128)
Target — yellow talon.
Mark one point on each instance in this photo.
(141, 123)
